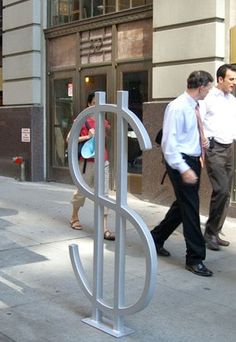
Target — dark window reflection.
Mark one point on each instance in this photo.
(137, 85)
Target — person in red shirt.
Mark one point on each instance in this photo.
(78, 198)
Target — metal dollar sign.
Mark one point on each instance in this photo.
(107, 318)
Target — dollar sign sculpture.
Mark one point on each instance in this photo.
(110, 319)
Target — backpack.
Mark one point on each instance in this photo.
(158, 140)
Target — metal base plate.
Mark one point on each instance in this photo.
(107, 328)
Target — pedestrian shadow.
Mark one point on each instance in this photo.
(8, 212)
(5, 223)
(18, 255)
(15, 292)
(5, 338)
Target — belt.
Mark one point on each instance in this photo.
(223, 145)
(190, 157)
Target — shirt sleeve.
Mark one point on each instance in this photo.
(234, 121)
(84, 131)
(203, 111)
(171, 131)
(234, 134)
(203, 108)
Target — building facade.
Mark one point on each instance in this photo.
(56, 52)
(194, 35)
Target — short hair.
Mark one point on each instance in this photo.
(198, 78)
(221, 72)
(90, 98)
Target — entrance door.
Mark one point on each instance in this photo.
(62, 109)
(65, 104)
(100, 79)
(136, 81)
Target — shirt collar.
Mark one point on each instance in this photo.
(216, 91)
(193, 103)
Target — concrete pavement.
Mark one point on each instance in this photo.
(40, 297)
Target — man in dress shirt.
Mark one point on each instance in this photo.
(220, 126)
(181, 146)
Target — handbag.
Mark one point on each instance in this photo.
(88, 148)
(81, 143)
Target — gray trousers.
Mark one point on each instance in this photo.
(219, 164)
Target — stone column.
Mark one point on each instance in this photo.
(23, 84)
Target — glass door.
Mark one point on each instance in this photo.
(137, 85)
(62, 119)
(136, 80)
(62, 109)
(101, 79)
(92, 82)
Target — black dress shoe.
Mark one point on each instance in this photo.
(199, 269)
(212, 242)
(222, 242)
(162, 251)
(159, 247)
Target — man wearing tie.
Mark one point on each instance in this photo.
(183, 146)
(220, 127)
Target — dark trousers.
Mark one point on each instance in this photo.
(184, 210)
(219, 164)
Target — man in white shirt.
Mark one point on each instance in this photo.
(220, 127)
(182, 146)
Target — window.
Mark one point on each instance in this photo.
(65, 11)
(124, 4)
(137, 3)
(110, 6)
(0, 33)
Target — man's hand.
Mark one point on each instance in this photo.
(189, 177)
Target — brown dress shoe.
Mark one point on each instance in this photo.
(212, 242)
(222, 242)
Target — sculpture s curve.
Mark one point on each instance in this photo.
(123, 212)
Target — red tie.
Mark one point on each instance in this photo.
(203, 140)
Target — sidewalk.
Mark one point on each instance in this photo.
(41, 300)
